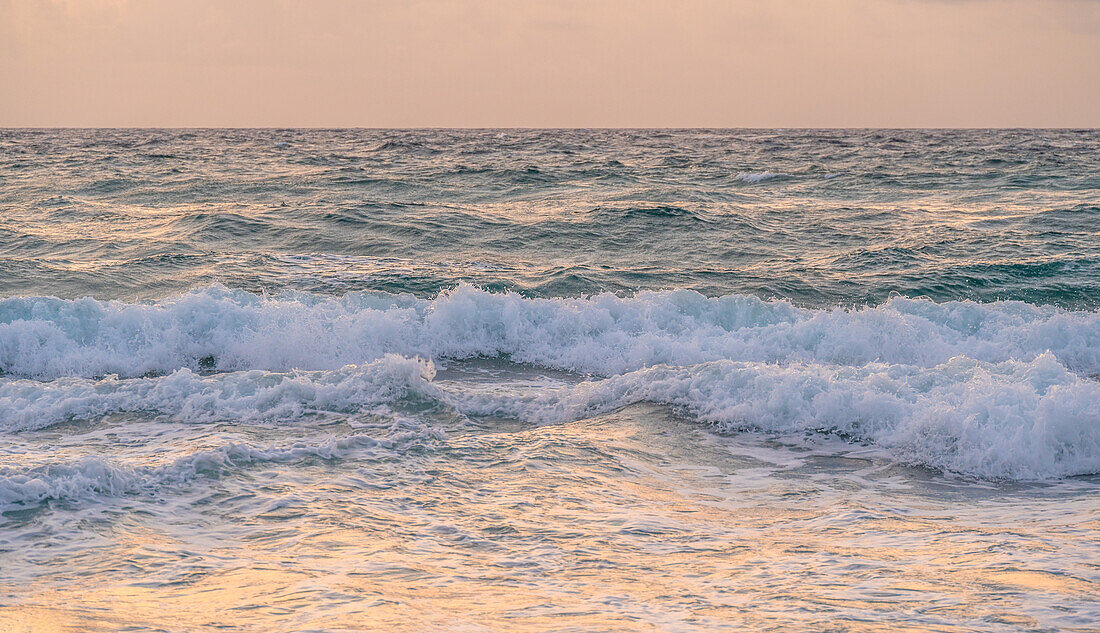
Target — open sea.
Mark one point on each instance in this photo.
(549, 380)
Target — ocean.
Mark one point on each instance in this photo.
(549, 380)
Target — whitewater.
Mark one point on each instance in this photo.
(549, 380)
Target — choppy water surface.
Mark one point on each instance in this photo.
(549, 380)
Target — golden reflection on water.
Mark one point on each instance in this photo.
(43, 620)
(579, 526)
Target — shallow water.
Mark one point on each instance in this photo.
(549, 380)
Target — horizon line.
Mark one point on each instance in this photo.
(533, 128)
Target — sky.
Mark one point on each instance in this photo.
(550, 63)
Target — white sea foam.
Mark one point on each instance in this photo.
(1009, 420)
(246, 396)
(992, 390)
(753, 178)
(1013, 419)
(88, 477)
(606, 335)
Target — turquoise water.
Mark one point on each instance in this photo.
(549, 380)
(818, 217)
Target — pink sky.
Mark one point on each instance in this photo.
(571, 63)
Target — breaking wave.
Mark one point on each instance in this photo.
(223, 330)
(753, 178)
(243, 397)
(1020, 420)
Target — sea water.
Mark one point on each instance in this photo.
(566, 380)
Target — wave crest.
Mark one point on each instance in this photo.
(1020, 420)
(1011, 420)
(218, 329)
